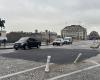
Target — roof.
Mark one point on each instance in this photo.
(74, 28)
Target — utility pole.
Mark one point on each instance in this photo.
(41, 36)
(49, 36)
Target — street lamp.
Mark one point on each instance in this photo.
(41, 36)
(49, 36)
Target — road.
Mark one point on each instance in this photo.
(62, 57)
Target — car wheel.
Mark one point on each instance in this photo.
(38, 46)
(62, 44)
(25, 47)
(16, 48)
(59, 44)
(53, 44)
(29, 47)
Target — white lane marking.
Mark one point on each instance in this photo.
(92, 61)
(74, 72)
(20, 72)
(77, 58)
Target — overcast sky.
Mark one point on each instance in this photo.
(54, 15)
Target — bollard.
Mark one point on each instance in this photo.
(47, 64)
(77, 57)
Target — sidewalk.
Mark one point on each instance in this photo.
(10, 46)
(6, 47)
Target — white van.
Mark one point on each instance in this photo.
(68, 40)
(58, 41)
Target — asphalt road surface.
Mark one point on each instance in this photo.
(58, 56)
(17, 61)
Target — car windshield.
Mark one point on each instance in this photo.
(23, 39)
(66, 39)
(57, 39)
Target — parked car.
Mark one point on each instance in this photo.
(68, 40)
(95, 45)
(58, 42)
(27, 43)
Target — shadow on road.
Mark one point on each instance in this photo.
(58, 56)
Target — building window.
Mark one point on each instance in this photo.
(0, 34)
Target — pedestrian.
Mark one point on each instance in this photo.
(4, 42)
(47, 42)
(0, 42)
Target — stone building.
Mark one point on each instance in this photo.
(3, 35)
(75, 31)
(44, 36)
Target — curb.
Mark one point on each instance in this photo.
(6, 48)
(12, 47)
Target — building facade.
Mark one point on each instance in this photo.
(75, 31)
(44, 36)
(3, 35)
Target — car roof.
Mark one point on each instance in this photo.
(30, 37)
(68, 37)
(59, 38)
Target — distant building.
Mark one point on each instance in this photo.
(15, 36)
(44, 36)
(76, 31)
(3, 35)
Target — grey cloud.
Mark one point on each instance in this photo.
(29, 12)
(90, 4)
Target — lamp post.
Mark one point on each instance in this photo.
(41, 36)
(49, 36)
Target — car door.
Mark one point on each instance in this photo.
(30, 42)
(34, 43)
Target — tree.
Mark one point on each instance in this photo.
(15, 36)
(93, 35)
(2, 23)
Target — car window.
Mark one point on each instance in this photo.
(29, 40)
(23, 39)
(34, 40)
(58, 39)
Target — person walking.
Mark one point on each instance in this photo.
(4, 42)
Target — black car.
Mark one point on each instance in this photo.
(27, 43)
